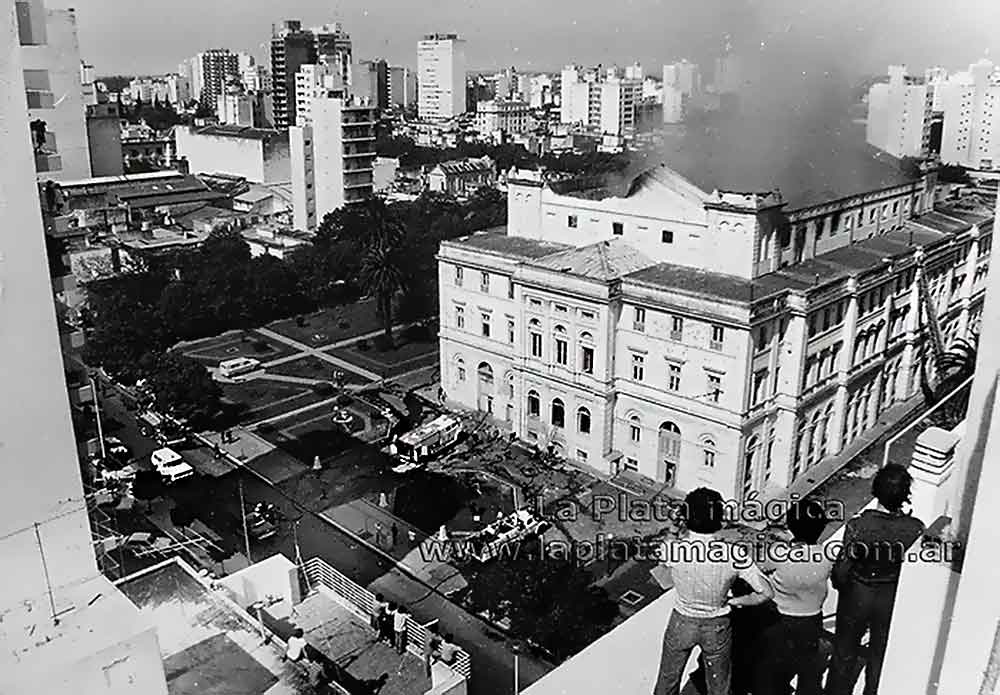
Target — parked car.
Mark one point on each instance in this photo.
(117, 448)
(259, 527)
(171, 465)
(169, 434)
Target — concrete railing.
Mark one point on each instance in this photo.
(362, 602)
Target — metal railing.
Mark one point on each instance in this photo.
(318, 572)
(894, 438)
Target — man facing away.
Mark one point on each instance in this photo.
(703, 569)
(866, 575)
(799, 576)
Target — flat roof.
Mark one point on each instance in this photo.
(209, 647)
(714, 285)
(123, 179)
(233, 131)
(496, 241)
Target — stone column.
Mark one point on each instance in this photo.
(848, 332)
(789, 385)
(911, 329)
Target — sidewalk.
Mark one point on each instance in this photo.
(374, 524)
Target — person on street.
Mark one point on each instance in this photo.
(448, 651)
(399, 628)
(791, 645)
(703, 571)
(432, 641)
(866, 573)
(394, 532)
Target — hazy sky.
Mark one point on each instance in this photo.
(143, 36)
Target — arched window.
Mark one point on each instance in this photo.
(586, 353)
(561, 342)
(750, 464)
(509, 380)
(558, 413)
(535, 335)
(635, 428)
(534, 404)
(670, 442)
(459, 369)
(708, 451)
(583, 420)
(485, 372)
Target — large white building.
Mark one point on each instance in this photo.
(257, 154)
(332, 158)
(601, 103)
(681, 81)
(65, 627)
(441, 68)
(971, 105)
(731, 339)
(50, 53)
(899, 114)
(312, 80)
(502, 116)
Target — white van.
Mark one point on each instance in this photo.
(237, 366)
(170, 465)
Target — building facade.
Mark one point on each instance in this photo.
(462, 177)
(502, 116)
(971, 105)
(402, 87)
(50, 54)
(104, 139)
(370, 82)
(332, 158)
(592, 325)
(209, 72)
(899, 114)
(258, 155)
(65, 627)
(292, 46)
(441, 69)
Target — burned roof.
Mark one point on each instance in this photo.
(496, 241)
(604, 261)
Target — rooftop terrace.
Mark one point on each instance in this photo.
(209, 646)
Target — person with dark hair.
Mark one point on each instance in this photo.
(703, 569)
(379, 608)
(791, 645)
(399, 629)
(295, 648)
(866, 573)
(388, 631)
(432, 642)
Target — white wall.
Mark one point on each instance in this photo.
(222, 154)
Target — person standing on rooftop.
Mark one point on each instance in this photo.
(702, 578)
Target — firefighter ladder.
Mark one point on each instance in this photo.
(930, 310)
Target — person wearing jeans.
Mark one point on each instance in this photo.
(791, 645)
(703, 569)
(866, 574)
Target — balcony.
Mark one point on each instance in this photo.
(357, 153)
(40, 99)
(47, 162)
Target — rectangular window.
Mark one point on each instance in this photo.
(587, 315)
(676, 328)
(484, 282)
(486, 324)
(617, 228)
(458, 276)
(510, 330)
(587, 359)
(536, 344)
(581, 455)
(634, 433)
(459, 317)
(639, 319)
(562, 351)
(714, 387)
(667, 237)
(510, 288)
(638, 367)
(535, 303)
(709, 458)
(560, 309)
(571, 221)
(674, 377)
(759, 386)
(631, 465)
(718, 335)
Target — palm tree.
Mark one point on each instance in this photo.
(382, 276)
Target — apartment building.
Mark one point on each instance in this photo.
(605, 103)
(900, 114)
(441, 68)
(402, 87)
(292, 46)
(971, 105)
(332, 158)
(50, 53)
(257, 154)
(65, 626)
(370, 82)
(681, 81)
(726, 339)
(209, 73)
(502, 116)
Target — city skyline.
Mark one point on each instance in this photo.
(855, 39)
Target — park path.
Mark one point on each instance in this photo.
(288, 379)
(318, 352)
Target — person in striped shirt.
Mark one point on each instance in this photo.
(703, 569)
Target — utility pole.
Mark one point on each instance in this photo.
(243, 514)
(97, 414)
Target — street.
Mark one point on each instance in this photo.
(493, 668)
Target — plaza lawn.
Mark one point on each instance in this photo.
(332, 325)
(260, 399)
(211, 351)
(312, 367)
(406, 354)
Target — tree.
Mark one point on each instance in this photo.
(148, 485)
(549, 600)
(382, 276)
(183, 388)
